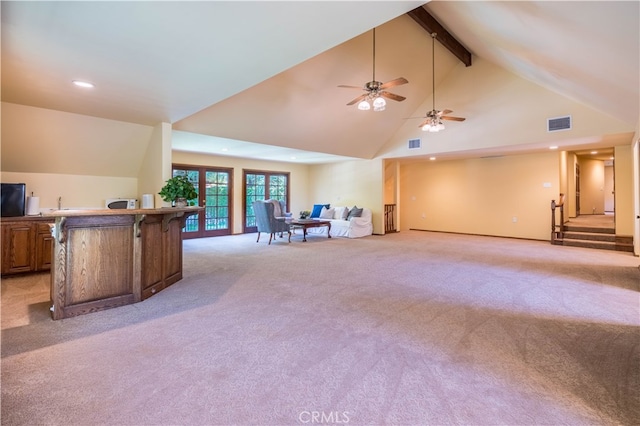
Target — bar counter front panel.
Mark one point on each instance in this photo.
(108, 258)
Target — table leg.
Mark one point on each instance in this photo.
(304, 234)
(329, 230)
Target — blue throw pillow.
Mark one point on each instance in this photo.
(317, 208)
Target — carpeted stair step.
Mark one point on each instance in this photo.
(604, 245)
(618, 245)
(593, 236)
(593, 230)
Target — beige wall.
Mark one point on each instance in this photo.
(350, 183)
(156, 167)
(82, 159)
(564, 176)
(505, 196)
(299, 175)
(570, 203)
(636, 190)
(591, 186)
(624, 191)
(77, 191)
(38, 140)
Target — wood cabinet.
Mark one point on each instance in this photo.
(161, 253)
(26, 245)
(104, 259)
(44, 247)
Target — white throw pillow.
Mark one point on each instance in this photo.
(326, 213)
(277, 210)
(345, 213)
(339, 213)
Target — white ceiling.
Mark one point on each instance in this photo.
(212, 67)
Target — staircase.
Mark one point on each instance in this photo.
(589, 231)
(595, 237)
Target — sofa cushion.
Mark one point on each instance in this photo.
(340, 213)
(317, 208)
(277, 207)
(326, 213)
(354, 212)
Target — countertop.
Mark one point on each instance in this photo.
(121, 212)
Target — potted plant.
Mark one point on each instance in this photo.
(178, 190)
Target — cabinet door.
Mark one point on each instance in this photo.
(18, 250)
(44, 248)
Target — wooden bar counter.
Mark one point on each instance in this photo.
(108, 258)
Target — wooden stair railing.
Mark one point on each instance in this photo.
(389, 213)
(557, 231)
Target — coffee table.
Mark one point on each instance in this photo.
(305, 224)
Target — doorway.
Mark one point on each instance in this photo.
(213, 185)
(262, 185)
(609, 188)
(577, 189)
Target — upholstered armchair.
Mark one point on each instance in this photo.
(267, 222)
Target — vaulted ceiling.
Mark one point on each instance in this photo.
(267, 72)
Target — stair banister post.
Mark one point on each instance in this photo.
(561, 203)
(553, 221)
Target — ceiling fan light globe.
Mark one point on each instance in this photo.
(364, 106)
(379, 104)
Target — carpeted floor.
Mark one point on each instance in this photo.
(413, 328)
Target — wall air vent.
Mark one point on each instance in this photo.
(559, 123)
(414, 144)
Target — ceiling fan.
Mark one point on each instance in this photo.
(376, 91)
(433, 118)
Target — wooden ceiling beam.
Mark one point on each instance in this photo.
(431, 25)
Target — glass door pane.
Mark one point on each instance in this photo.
(213, 186)
(260, 185)
(192, 225)
(217, 208)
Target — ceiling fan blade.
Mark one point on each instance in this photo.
(358, 99)
(392, 96)
(448, 117)
(446, 111)
(350, 87)
(393, 83)
(424, 122)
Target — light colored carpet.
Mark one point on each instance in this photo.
(412, 328)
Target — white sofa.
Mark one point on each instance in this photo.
(354, 227)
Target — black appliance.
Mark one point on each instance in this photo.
(13, 199)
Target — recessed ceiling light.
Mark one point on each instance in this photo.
(594, 152)
(553, 147)
(225, 149)
(432, 158)
(84, 84)
(293, 157)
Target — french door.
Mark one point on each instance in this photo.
(213, 185)
(261, 185)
